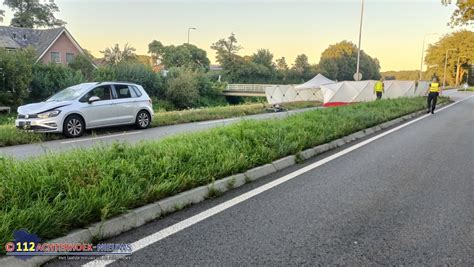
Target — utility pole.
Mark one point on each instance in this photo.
(357, 75)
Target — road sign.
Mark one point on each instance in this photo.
(357, 76)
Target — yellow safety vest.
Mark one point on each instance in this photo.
(434, 87)
(378, 86)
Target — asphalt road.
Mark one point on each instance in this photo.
(131, 136)
(404, 199)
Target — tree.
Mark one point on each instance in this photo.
(185, 55)
(231, 63)
(407, 75)
(32, 13)
(263, 57)
(464, 13)
(226, 49)
(463, 44)
(301, 65)
(156, 49)
(339, 62)
(83, 64)
(198, 57)
(144, 59)
(16, 75)
(281, 64)
(301, 70)
(114, 55)
(282, 70)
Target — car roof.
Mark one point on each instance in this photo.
(116, 82)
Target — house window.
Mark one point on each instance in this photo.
(14, 36)
(69, 57)
(55, 57)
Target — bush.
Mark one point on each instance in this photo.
(83, 64)
(51, 78)
(15, 75)
(209, 92)
(135, 73)
(161, 105)
(182, 88)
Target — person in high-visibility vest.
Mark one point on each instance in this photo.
(379, 88)
(433, 93)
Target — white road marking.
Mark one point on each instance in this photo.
(218, 121)
(100, 137)
(151, 239)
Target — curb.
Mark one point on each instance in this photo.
(149, 212)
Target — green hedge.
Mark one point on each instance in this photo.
(53, 194)
(49, 79)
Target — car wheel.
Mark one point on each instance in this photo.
(143, 120)
(74, 126)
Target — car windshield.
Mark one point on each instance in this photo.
(69, 93)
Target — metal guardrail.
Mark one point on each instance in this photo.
(259, 88)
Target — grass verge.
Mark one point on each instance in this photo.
(10, 136)
(53, 194)
(470, 89)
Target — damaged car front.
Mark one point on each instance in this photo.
(48, 116)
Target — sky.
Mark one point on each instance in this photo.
(392, 30)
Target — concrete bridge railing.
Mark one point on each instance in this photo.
(245, 89)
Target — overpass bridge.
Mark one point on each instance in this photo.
(245, 90)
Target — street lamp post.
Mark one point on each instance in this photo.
(423, 52)
(446, 66)
(357, 76)
(189, 30)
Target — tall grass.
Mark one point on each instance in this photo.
(10, 136)
(52, 194)
(214, 113)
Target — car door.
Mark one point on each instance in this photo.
(99, 113)
(126, 103)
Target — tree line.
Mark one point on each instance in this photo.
(189, 81)
(459, 57)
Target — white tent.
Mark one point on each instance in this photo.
(422, 88)
(286, 93)
(341, 92)
(314, 83)
(365, 91)
(308, 91)
(394, 89)
(349, 91)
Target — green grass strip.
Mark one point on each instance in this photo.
(53, 194)
(10, 136)
(470, 89)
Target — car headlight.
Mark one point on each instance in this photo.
(49, 114)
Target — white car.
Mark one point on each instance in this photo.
(88, 106)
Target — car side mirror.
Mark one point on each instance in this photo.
(93, 99)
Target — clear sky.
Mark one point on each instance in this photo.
(392, 30)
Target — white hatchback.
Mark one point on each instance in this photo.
(88, 106)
